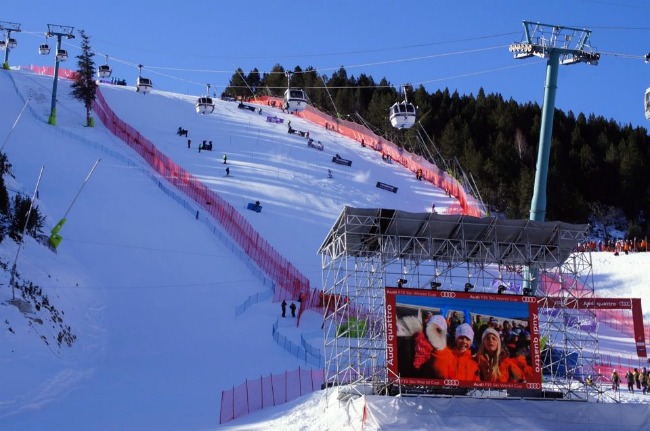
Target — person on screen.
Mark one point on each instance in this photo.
(478, 327)
(453, 323)
(465, 367)
(433, 358)
(494, 363)
(521, 356)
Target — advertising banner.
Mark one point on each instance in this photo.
(633, 304)
(463, 339)
(385, 186)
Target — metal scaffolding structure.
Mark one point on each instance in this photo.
(368, 250)
(569, 326)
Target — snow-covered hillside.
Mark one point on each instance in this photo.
(149, 290)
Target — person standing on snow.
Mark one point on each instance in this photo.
(616, 381)
(629, 377)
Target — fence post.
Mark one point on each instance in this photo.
(272, 389)
(221, 409)
(248, 404)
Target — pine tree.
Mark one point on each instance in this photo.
(238, 86)
(19, 221)
(84, 87)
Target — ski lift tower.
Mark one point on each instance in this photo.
(59, 31)
(553, 43)
(559, 45)
(9, 43)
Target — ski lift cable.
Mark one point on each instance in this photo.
(462, 52)
(158, 68)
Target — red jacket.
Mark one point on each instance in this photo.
(435, 364)
(423, 350)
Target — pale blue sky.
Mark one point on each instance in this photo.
(459, 45)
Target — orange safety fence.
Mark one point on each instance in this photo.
(49, 71)
(289, 281)
(274, 390)
(413, 162)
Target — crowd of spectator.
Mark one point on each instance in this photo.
(484, 350)
(614, 245)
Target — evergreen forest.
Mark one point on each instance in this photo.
(598, 168)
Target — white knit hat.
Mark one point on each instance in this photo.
(490, 331)
(438, 320)
(464, 330)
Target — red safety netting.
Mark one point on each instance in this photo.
(289, 281)
(254, 395)
(430, 172)
(49, 71)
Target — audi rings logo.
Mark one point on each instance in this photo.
(533, 386)
(529, 299)
(450, 382)
(448, 295)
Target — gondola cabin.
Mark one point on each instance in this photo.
(402, 115)
(44, 49)
(104, 71)
(295, 100)
(61, 55)
(12, 43)
(647, 104)
(204, 105)
(3, 45)
(143, 85)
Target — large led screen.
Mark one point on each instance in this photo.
(463, 339)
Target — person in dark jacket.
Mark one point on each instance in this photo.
(293, 309)
(616, 381)
(284, 308)
(629, 378)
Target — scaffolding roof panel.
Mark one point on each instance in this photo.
(362, 231)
